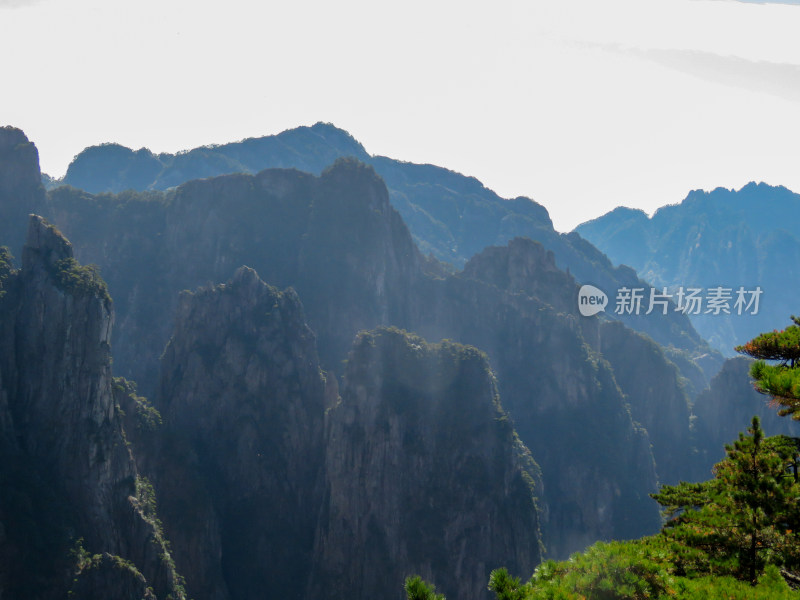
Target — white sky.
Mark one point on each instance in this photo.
(579, 104)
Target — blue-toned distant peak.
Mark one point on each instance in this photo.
(744, 238)
(532, 209)
(337, 137)
(619, 222)
(618, 215)
(757, 204)
(625, 211)
(112, 167)
(752, 199)
(748, 192)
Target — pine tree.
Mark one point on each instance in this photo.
(744, 518)
(418, 589)
(781, 381)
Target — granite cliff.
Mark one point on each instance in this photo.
(243, 385)
(252, 494)
(74, 511)
(450, 216)
(390, 487)
(423, 474)
(561, 392)
(243, 398)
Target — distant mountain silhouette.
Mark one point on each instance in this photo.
(450, 215)
(727, 238)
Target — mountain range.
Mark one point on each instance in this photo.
(724, 238)
(450, 216)
(270, 425)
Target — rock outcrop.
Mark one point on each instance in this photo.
(243, 398)
(66, 470)
(419, 468)
(657, 396)
(568, 409)
(525, 266)
(424, 474)
(337, 240)
(21, 189)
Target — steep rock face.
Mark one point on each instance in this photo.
(424, 474)
(339, 243)
(334, 238)
(561, 391)
(727, 407)
(451, 216)
(67, 325)
(336, 233)
(656, 396)
(525, 266)
(597, 464)
(66, 469)
(21, 189)
(242, 397)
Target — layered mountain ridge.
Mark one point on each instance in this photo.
(450, 216)
(724, 238)
(239, 464)
(261, 416)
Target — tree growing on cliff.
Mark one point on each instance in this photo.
(744, 518)
(419, 589)
(781, 379)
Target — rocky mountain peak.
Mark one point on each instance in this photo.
(245, 275)
(19, 159)
(524, 266)
(353, 175)
(242, 391)
(44, 245)
(62, 427)
(424, 474)
(20, 184)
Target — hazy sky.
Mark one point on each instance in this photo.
(581, 105)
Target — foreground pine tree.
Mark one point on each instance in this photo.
(744, 518)
(780, 379)
(734, 537)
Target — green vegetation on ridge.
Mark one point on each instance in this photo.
(781, 381)
(80, 280)
(734, 536)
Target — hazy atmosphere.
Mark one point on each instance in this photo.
(580, 105)
(264, 335)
